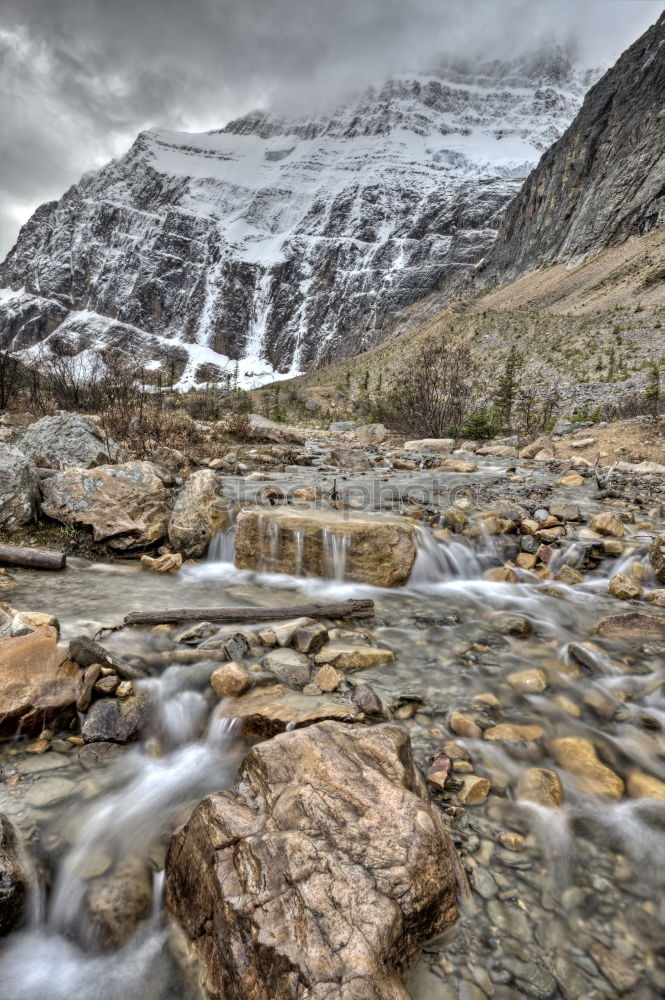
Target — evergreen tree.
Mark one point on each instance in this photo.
(507, 387)
(652, 391)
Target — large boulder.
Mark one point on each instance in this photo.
(198, 514)
(263, 429)
(371, 433)
(123, 505)
(68, 441)
(445, 445)
(39, 684)
(319, 875)
(368, 548)
(19, 489)
(14, 880)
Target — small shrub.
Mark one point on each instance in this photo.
(481, 425)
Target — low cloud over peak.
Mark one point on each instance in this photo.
(79, 78)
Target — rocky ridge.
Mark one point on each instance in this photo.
(602, 181)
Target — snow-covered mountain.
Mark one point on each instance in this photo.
(281, 242)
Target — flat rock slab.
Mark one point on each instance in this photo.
(369, 548)
(319, 875)
(267, 711)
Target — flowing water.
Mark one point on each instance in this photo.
(591, 874)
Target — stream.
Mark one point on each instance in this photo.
(577, 913)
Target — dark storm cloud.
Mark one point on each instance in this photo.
(79, 78)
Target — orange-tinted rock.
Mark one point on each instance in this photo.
(39, 684)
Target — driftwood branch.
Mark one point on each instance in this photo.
(86, 651)
(13, 555)
(333, 609)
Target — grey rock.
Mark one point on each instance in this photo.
(531, 978)
(114, 903)
(289, 666)
(19, 489)
(98, 754)
(509, 919)
(46, 792)
(342, 425)
(563, 427)
(110, 720)
(484, 884)
(516, 625)
(14, 880)
(68, 441)
(366, 700)
(236, 646)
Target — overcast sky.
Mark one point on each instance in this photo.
(79, 78)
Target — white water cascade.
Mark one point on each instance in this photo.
(450, 560)
(335, 554)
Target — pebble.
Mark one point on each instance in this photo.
(366, 700)
(538, 784)
(512, 841)
(511, 732)
(501, 574)
(510, 920)
(462, 725)
(328, 678)
(484, 884)
(528, 681)
(641, 785)
(47, 791)
(531, 978)
(621, 973)
(625, 587)
(474, 790)
(579, 758)
(516, 625)
(608, 524)
(230, 680)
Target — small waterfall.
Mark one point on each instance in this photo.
(222, 546)
(451, 560)
(124, 822)
(273, 538)
(298, 542)
(268, 533)
(335, 554)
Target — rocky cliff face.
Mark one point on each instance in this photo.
(281, 242)
(603, 181)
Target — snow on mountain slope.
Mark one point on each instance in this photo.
(282, 242)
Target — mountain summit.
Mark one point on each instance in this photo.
(283, 242)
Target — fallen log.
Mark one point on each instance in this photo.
(333, 609)
(13, 555)
(85, 652)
